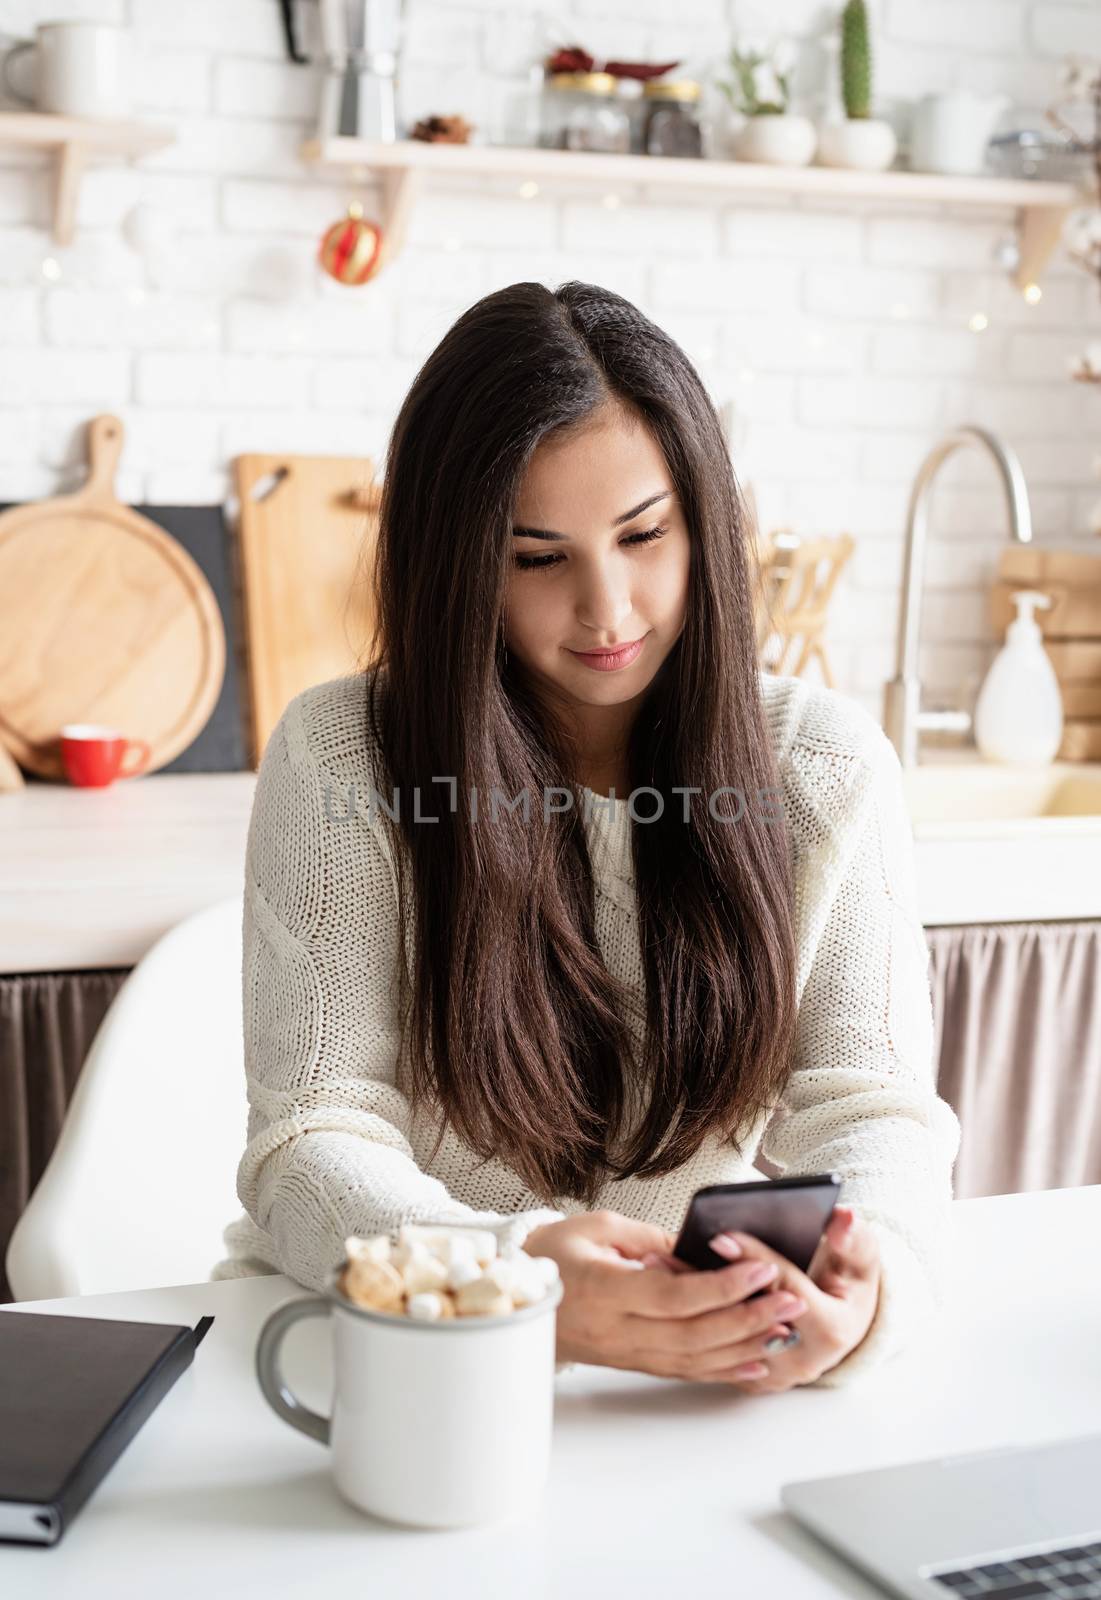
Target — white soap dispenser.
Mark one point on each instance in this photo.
(1019, 711)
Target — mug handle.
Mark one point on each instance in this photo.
(145, 752)
(9, 87)
(270, 1373)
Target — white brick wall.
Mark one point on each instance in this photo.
(840, 334)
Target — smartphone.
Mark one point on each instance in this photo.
(787, 1214)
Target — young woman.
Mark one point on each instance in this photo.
(563, 908)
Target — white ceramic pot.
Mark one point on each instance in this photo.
(950, 131)
(859, 142)
(782, 139)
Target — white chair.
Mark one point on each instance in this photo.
(143, 1177)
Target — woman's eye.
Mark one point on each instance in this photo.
(536, 563)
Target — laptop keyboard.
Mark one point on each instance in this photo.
(1070, 1574)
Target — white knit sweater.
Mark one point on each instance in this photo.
(333, 1147)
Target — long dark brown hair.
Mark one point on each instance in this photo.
(515, 1026)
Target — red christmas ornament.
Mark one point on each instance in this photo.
(351, 250)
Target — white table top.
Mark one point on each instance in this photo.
(652, 1479)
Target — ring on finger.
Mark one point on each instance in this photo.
(783, 1342)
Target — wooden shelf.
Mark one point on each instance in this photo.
(74, 142)
(1041, 207)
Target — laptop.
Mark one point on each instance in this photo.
(1018, 1523)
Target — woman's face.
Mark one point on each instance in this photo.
(599, 517)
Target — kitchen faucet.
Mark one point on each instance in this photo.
(903, 716)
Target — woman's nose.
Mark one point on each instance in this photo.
(604, 601)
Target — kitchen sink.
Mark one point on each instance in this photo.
(1004, 843)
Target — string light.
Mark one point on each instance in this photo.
(978, 322)
(528, 189)
(51, 268)
(1033, 293)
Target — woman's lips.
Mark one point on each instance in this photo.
(610, 660)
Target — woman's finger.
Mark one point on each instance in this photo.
(666, 1261)
(719, 1339)
(853, 1259)
(767, 1371)
(722, 1358)
(858, 1248)
(750, 1248)
(750, 1369)
(671, 1295)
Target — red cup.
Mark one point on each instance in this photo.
(93, 756)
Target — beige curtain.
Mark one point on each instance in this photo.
(47, 1023)
(1018, 1034)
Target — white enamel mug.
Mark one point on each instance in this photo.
(434, 1424)
(81, 69)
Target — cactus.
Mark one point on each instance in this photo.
(856, 60)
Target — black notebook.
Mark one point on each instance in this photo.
(73, 1392)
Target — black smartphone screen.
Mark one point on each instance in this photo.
(787, 1214)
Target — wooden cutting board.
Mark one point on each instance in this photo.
(103, 618)
(1072, 578)
(1076, 661)
(306, 533)
(1081, 741)
(1074, 612)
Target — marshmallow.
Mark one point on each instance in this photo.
(422, 1272)
(442, 1240)
(430, 1307)
(546, 1268)
(501, 1273)
(482, 1298)
(434, 1273)
(463, 1269)
(373, 1284)
(376, 1248)
(528, 1286)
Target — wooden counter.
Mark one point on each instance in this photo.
(93, 877)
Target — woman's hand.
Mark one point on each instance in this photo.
(671, 1323)
(840, 1292)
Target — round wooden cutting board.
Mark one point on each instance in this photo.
(103, 618)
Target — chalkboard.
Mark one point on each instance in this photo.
(221, 745)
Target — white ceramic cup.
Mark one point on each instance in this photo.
(81, 69)
(434, 1424)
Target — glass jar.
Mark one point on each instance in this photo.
(581, 113)
(629, 93)
(672, 124)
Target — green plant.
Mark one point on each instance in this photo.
(761, 85)
(856, 60)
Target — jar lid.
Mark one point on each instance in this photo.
(677, 89)
(587, 82)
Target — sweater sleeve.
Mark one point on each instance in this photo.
(328, 1150)
(861, 1099)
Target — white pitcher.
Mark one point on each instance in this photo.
(951, 131)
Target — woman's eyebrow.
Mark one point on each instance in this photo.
(545, 533)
